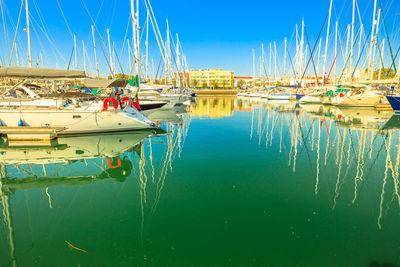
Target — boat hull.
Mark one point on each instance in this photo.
(74, 121)
(394, 102)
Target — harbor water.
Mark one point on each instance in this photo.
(229, 182)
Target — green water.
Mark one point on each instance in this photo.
(231, 183)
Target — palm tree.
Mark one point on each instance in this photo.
(194, 83)
(224, 83)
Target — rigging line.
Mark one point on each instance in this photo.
(311, 54)
(100, 37)
(348, 57)
(65, 19)
(388, 39)
(119, 62)
(16, 31)
(358, 61)
(294, 71)
(158, 68)
(305, 145)
(70, 58)
(47, 37)
(395, 57)
(337, 53)
(308, 63)
(126, 34)
(98, 13)
(4, 26)
(380, 55)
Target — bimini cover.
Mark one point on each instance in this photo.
(93, 83)
(40, 73)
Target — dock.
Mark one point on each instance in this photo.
(27, 135)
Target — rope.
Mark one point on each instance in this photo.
(65, 19)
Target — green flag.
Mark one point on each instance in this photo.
(134, 81)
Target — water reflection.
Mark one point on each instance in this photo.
(353, 148)
(214, 107)
(89, 159)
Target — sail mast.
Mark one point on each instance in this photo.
(135, 28)
(95, 53)
(28, 32)
(326, 42)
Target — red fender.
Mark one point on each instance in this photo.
(105, 103)
(126, 99)
(135, 104)
(110, 163)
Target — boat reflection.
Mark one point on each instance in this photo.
(147, 156)
(353, 149)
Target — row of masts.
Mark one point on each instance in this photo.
(313, 60)
(174, 61)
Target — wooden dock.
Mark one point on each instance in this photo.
(26, 135)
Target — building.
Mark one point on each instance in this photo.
(212, 78)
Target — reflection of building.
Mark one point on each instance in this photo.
(214, 107)
(212, 78)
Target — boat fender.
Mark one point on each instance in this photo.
(135, 104)
(22, 123)
(124, 101)
(105, 103)
(341, 95)
(111, 166)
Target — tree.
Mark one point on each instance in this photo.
(224, 82)
(204, 85)
(240, 84)
(194, 83)
(385, 74)
(213, 84)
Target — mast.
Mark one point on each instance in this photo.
(109, 52)
(326, 42)
(28, 32)
(270, 59)
(135, 28)
(382, 53)
(84, 55)
(301, 48)
(319, 56)
(95, 53)
(284, 58)
(352, 36)
(376, 42)
(254, 69)
(336, 39)
(147, 46)
(347, 44)
(178, 61)
(262, 65)
(372, 41)
(129, 54)
(297, 50)
(75, 61)
(275, 60)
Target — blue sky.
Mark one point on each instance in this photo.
(214, 34)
